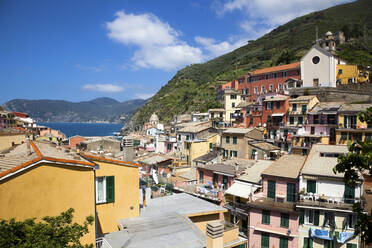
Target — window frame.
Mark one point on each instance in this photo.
(284, 220)
(107, 198)
(265, 217)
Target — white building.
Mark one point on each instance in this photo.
(326, 202)
(318, 68)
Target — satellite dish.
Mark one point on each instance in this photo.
(154, 176)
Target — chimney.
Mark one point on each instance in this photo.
(28, 146)
(214, 235)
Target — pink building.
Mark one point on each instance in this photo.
(273, 220)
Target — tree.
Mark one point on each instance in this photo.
(357, 160)
(56, 231)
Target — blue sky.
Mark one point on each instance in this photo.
(77, 50)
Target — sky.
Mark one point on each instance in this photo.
(78, 50)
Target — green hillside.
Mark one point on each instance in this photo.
(194, 87)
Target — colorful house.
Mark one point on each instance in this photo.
(348, 74)
(273, 220)
(323, 120)
(326, 202)
(201, 145)
(275, 114)
(349, 125)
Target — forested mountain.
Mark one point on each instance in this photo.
(194, 87)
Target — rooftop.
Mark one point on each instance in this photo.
(354, 107)
(301, 99)
(276, 99)
(287, 166)
(20, 158)
(206, 157)
(253, 174)
(223, 168)
(216, 110)
(265, 146)
(323, 166)
(326, 108)
(154, 159)
(245, 104)
(277, 68)
(194, 129)
(238, 130)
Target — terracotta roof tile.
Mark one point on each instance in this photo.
(277, 68)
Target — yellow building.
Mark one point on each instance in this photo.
(347, 74)
(349, 125)
(38, 179)
(117, 193)
(200, 146)
(49, 179)
(9, 139)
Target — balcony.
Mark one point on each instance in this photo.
(317, 200)
(237, 207)
(205, 191)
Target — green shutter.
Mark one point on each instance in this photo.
(110, 189)
(302, 216)
(283, 243)
(291, 191)
(351, 245)
(250, 120)
(306, 243)
(227, 139)
(277, 105)
(316, 218)
(311, 243)
(311, 186)
(343, 135)
(210, 146)
(265, 241)
(284, 220)
(349, 194)
(265, 217)
(271, 189)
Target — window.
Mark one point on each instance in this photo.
(275, 75)
(312, 130)
(303, 109)
(329, 219)
(266, 76)
(265, 241)
(309, 216)
(350, 221)
(233, 96)
(269, 118)
(284, 73)
(328, 243)
(201, 176)
(262, 89)
(235, 140)
(280, 86)
(283, 243)
(221, 115)
(316, 60)
(349, 194)
(291, 120)
(233, 104)
(350, 80)
(249, 79)
(300, 120)
(308, 243)
(179, 137)
(344, 136)
(348, 245)
(210, 145)
(227, 139)
(266, 217)
(187, 137)
(291, 192)
(254, 152)
(367, 137)
(294, 107)
(284, 220)
(225, 181)
(187, 145)
(169, 146)
(256, 90)
(339, 71)
(269, 105)
(215, 178)
(226, 153)
(277, 105)
(271, 189)
(234, 154)
(271, 88)
(105, 187)
(251, 122)
(311, 186)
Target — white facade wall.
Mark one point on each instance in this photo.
(330, 188)
(325, 70)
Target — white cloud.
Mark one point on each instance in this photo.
(108, 88)
(143, 95)
(215, 48)
(158, 44)
(263, 15)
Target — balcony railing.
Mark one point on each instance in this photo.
(203, 190)
(102, 243)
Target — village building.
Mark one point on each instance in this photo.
(275, 114)
(349, 125)
(325, 201)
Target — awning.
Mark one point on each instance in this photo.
(278, 114)
(241, 189)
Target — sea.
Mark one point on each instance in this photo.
(84, 129)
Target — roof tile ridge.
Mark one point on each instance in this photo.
(37, 151)
(110, 160)
(23, 165)
(52, 159)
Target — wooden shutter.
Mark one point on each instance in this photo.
(291, 191)
(283, 243)
(271, 189)
(110, 189)
(302, 216)
(311, 186)
(316, 218)
(284, 220)
(265, 241)
(265, 217)
(349, 194)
